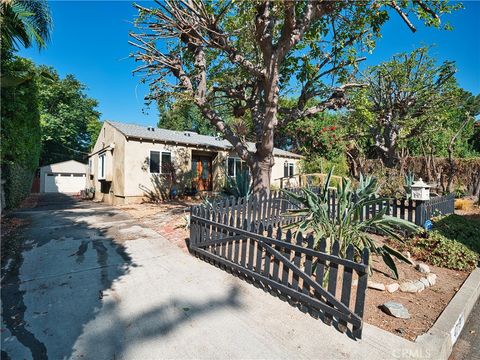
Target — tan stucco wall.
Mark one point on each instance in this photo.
(137, 154)
(115, 169)
(278, 169)
(136, 161)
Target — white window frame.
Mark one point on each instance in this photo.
(102, 166)
(160, 152)
(235, 158)
(289, 166)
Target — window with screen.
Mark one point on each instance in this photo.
(288, 170)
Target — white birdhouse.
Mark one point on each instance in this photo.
(420, 190)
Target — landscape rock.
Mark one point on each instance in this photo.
(391, 288)
(376, 286)
(432, 279)
(420, 286)
(423, 268)
(425, 282)
(395, 309)
(409, 287)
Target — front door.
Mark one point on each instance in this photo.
(202, 172)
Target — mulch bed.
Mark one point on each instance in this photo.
(9, 225)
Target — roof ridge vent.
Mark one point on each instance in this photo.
(150, 128)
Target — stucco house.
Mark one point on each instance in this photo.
(127, 157)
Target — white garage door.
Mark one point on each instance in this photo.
(64, 182)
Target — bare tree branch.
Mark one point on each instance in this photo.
(403, 16)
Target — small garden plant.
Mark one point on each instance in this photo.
(347, 226)
(240, 186)
(453, 243)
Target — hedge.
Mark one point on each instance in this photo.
(20, 129)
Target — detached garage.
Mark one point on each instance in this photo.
(63, 177)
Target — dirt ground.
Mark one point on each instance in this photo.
(167, 219)
(424, 307)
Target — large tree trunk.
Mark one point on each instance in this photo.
(386, 142)
(261, 168)
(389, 157)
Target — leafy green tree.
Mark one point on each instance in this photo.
(404, 97)
(457, 122)
(24, 22)
(318, 135)
(184, 116)
(69, 119)
(246, 55)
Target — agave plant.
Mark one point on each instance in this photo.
(240, 186)
(346, 226)
(408, 180)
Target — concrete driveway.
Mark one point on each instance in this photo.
(90, 283)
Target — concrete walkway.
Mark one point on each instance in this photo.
(92, 284)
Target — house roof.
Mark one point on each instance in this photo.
(185, 137)
(66, 166)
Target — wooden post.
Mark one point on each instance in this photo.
(419, 213)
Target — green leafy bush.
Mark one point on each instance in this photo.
(461, 229)
(453, 243)
(20, 129)
(318, 164)
(438, 250)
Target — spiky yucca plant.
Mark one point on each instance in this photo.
(408, 180)
(240, 186)
(346, 226)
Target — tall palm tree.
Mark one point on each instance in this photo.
(25, 22)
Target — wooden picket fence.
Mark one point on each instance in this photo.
(414, 211)
(441, 205)
(246, 237)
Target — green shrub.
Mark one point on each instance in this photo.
(453, 243)
(240, 186)
(20, 129)
(318, 164)
(461, 229)
(441, 251)
(349, 229)
(18, 183)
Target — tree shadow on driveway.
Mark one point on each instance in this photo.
(59, 291)
(53, 285)
(115, 336)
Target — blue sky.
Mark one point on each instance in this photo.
(90, 40)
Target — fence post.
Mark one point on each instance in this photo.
(419, 213)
